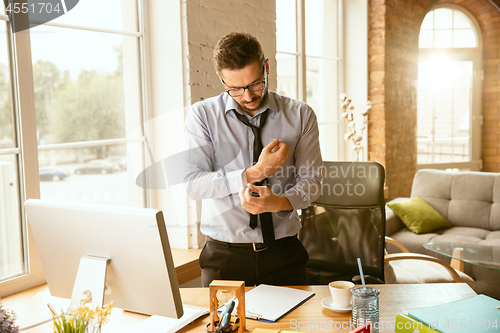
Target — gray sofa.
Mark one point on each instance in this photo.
(470, 201)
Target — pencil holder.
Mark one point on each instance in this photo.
(238, 287)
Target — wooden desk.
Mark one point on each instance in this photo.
(186, 264)
(393, 299)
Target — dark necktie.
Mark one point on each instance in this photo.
(266, 219)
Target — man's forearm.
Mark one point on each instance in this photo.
(267, 201)
(254, 174)
(283, 204)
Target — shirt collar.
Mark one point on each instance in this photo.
(269, 103)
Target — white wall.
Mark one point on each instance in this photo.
(209, 20)
(356, 64)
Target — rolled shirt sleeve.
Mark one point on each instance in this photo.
(308, 164)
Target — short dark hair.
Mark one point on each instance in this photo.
(237, 50)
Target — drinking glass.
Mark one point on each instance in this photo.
(365, 307)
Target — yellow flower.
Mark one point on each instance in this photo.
(108, 306)
(82, 319)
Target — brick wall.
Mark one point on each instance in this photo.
(207, 21)
(393, 58)
(376, 79)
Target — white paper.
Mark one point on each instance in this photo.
(35, 311)
(272, 302)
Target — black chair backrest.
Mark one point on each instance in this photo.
(346, 222)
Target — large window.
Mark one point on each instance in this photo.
(70, 96)
(308, 60)
(449, 81)
(82, 104)
(11, 242)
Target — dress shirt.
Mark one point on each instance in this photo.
(219, 148)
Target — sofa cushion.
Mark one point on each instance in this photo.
(434, 187)
(440, 205)
(493, 236)
(419, 216)
(456, 238)
(434, 183)
(468, 213)
(414, 243)
(495, 214)
(472, 186)
(475, 235)
(471, 198)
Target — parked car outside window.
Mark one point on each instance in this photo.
(52, 173)
(97, 166)
(120, 161)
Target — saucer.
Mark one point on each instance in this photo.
(328, 303)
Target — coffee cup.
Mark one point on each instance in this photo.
(341, 293)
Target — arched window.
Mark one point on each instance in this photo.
(449, 90)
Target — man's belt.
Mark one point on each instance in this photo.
(257, 247)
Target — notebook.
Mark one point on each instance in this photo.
(270, 303)
(159, 324)
(407, 324)
(470, 315)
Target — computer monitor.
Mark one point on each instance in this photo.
(131, 242)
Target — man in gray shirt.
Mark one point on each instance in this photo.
(253, 157)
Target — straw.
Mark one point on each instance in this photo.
(362, 275)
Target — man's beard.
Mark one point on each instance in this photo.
(262, 99)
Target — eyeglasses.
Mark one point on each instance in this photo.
(254, 87)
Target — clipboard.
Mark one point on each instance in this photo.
(270, 303)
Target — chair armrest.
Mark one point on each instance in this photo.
(400, 246)
(393, 223)
(404, 256)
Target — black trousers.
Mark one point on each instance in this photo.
(284, 265)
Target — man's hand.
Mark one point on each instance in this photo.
(267, 202)
(271, 159)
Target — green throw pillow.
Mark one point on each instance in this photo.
(418, 216)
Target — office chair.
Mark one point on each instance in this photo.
(346, 222)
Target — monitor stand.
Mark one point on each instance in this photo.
(90, 281)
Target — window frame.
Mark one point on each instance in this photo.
(475, 55)
(301, 61)
(24, 117)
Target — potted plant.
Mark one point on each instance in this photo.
(7, 319)
(82, 319)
